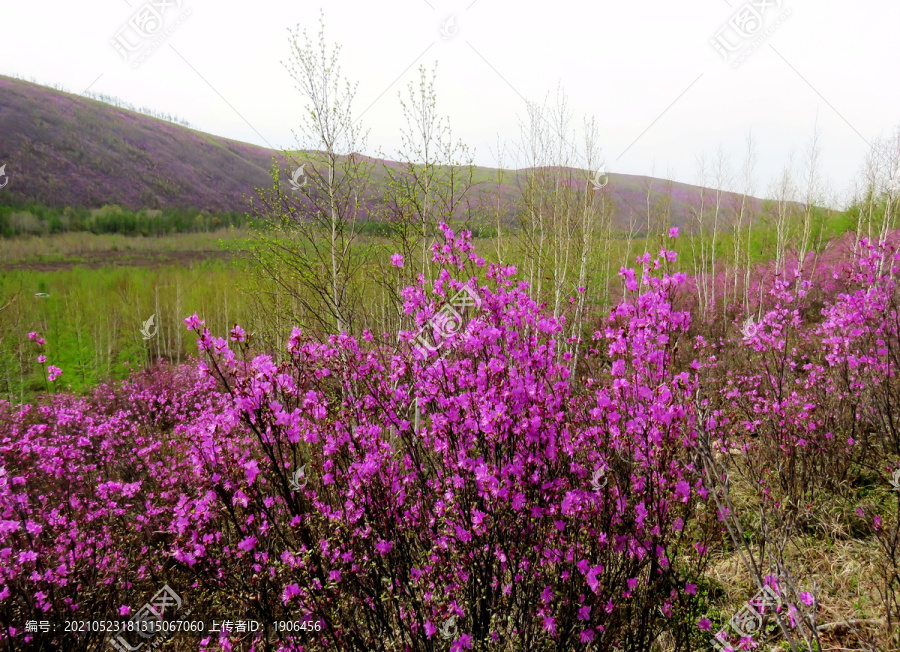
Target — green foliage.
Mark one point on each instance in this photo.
(19, 219)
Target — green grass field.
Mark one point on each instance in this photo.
(90, 295)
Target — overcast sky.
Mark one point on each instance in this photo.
(650, 71)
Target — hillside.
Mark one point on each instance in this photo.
(62, 149)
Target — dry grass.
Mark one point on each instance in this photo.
(841, 573)
(62, 246)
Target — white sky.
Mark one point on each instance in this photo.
(646, 70)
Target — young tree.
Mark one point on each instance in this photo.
(812, 196)
(880, 200)
(784, 190)
(500, 206)
(708, 227)
(744, 214)
(431, 184)
(436, 174)
(560, 215)
(307, 248)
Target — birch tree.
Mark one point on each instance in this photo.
(432, 183)
(307, 251)
(564, 209)
(812, 196)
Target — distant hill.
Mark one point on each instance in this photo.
(62, 149)
(66, 150)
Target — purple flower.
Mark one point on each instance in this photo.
(238, 334)
(290, 592)
(442, 465)
(251, 470)
(193, 322)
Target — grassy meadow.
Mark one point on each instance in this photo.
(101, 289)
(91, 295)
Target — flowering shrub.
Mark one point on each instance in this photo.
(809, 398)
(88, 488)
(815, 395)
(459, 488)
(475, 495)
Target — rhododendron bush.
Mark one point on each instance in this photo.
(476, 494)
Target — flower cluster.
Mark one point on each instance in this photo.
(484, 496)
